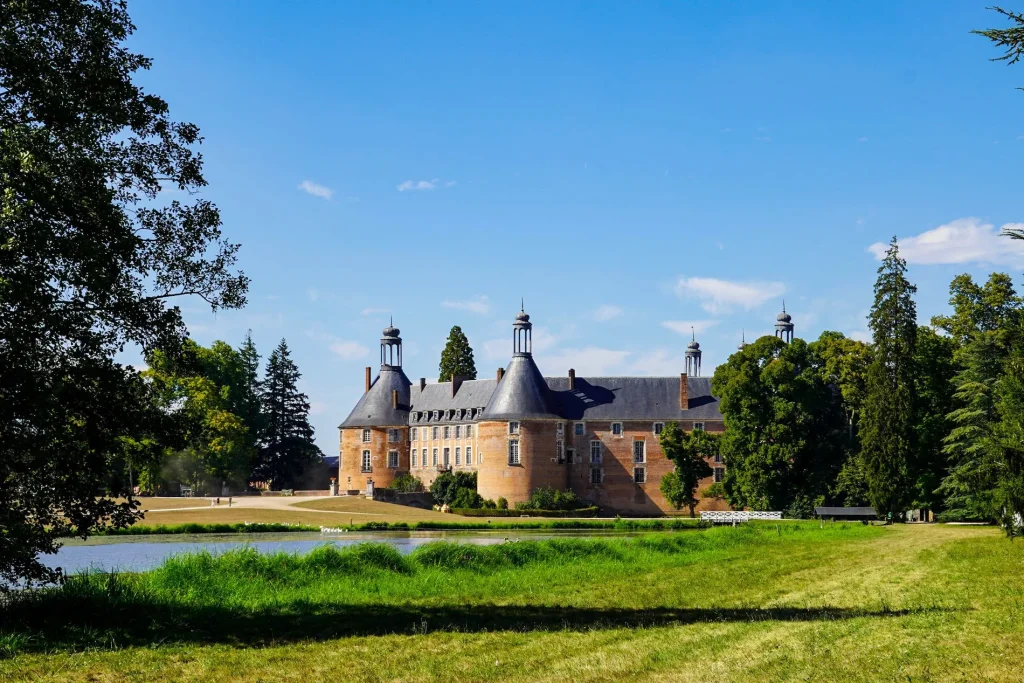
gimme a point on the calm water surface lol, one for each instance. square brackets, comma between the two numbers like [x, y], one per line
[138, 553]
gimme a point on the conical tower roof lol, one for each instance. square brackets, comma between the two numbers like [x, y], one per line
[376, 407]
[522, 393]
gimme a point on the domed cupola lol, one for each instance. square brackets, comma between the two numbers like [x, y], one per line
[743, 341]
[693, 354]
[522, 393]
[391, 346]
[784, 325]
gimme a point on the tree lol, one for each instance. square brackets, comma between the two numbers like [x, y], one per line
[249, 405]
[783, 443]
[1012, 41]
[457, 357]
[689, 452]
[933, 388]
[888, 425]
[446, 486]
[1009, 434]
[90, 259]
[287, 448]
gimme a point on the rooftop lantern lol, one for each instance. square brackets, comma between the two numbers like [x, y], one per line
[693, 354]
[784, 325]
[522, 333]
[391, 347]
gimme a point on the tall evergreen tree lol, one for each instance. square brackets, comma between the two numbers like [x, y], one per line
[250, 408]
[889, 420]
[457, 357]
[933, 387]
[287, 448]
[1010, 439]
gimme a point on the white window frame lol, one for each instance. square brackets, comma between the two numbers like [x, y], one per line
[643, 451]
[718, 458]
[447, 432]
[394, 436]
[513, 452]
[560, 428]
[469, 455]
[600, 451]
[458, 456]
[469, 431]
[446, 456]
[699, 427]
[620, 432]
[458, 431]
[367, 436]
[433, 458]
[719, 474]
[367, 462]
[393, 458]
[513, 427]
[413, 460]
[579, 428]
[434, 432]
[560, 452]
[658, 428]
[642, 471]
[414, 434]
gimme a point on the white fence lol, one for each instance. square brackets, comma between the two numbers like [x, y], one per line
[727, 516]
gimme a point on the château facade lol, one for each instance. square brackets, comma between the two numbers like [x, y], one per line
[520, 431]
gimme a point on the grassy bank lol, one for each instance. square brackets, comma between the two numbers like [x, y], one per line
[761, 602]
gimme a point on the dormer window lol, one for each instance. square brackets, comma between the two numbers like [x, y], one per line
[513, 427]
[437, 414]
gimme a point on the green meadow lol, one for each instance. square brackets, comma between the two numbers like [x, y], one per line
[759, 602]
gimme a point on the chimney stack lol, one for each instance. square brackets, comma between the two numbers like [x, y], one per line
[423, 383]
[456, 383]
[572, 379]
[501, 373]
[394, 399]
[367, 378]
[684, 393]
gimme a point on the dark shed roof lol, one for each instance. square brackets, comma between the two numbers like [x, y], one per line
[375, 408]
[845, 512]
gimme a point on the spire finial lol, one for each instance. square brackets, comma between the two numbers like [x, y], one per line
[743, 336]
[522, 305]
[693, 334]
[783, 305]
[391, 320]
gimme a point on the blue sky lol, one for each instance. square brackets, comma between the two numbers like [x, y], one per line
[629, 169]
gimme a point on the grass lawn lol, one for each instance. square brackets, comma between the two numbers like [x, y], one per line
[761, 602]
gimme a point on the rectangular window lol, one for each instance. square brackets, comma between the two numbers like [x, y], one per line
[447, 432]
[414, 461]
[639, 474]
[447, 457]
[433, 458]
[469, 455]
[513, 452]
[659, 427]
[639, 451]
[393, 459]
[393, 436]
[469, 431]
[595, 475]
[570, 455]
[513, 427]
[559, 453]
[579, 429]
[719, 474]
[458, 431]
[366, 436]
[413, 432]
[617, 428]
[433, 433]
[698, 426]
[458, 455]
[560, 428]
[595, 452]
[366, 462]
[718, 457]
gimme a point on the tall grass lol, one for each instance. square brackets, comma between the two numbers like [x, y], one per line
[243, 596]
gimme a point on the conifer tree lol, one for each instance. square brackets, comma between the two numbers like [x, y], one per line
[889, 419]
[457, 357]
[249, 391]
[287, 446]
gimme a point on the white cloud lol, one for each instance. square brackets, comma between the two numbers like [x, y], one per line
[862, 139]
[432, 184]
[315, 189]
[717, 296]
[965, 240]
[593, 361]
[478, 304]
[348, 350]
[607, 312]
[449, 183]
[683, 327]
[374, 311]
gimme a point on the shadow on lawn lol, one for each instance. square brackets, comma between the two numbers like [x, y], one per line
[104, 625]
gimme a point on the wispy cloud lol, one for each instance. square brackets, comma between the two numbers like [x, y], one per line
[607, 312]
[315, 189]
[432, 184]
[684, 327]
[862, 139]
[348, 350]
[478, 304]
[449, 183]
[965, 240]
[313, 293]
[374, 311]
[719, 296]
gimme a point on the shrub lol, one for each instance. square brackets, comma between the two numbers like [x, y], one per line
[490, 505]
[467, 498]
[484, 512]
[447, 485]
[552, 499]
[406, 483]
[501, 503]
[716, 490]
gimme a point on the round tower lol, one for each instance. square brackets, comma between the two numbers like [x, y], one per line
[693, 354]
[784, 325]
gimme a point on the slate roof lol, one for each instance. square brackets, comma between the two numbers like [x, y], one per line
[472, 394]
[633, 398]
[375, 408]
[521, 394]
